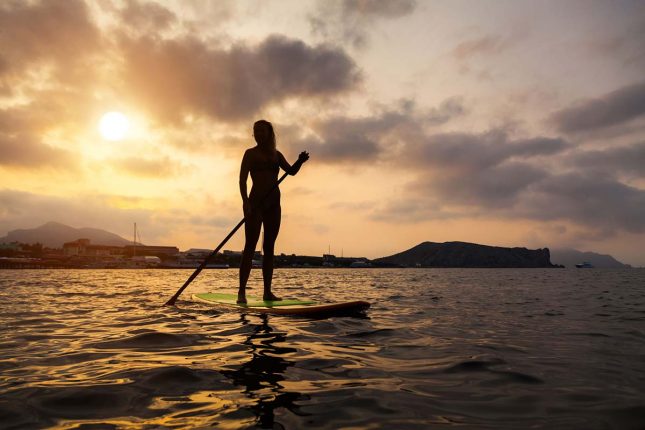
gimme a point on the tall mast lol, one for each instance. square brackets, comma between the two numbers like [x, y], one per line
[134, 248]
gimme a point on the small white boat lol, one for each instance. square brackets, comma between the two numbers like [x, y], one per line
[584, 265]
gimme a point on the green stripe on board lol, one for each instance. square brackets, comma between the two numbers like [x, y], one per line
[230, 299]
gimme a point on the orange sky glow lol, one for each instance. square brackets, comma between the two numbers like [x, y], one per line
[510, 123]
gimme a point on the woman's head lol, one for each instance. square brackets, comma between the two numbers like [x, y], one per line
[264, 135]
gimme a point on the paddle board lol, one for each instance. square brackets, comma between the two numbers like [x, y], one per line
[281, 307]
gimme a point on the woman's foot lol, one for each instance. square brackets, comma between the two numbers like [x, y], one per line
[241, 300]
[270, 297]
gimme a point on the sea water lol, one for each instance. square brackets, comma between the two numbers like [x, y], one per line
[440, 348]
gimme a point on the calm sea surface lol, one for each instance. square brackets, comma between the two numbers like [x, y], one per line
[484, 349]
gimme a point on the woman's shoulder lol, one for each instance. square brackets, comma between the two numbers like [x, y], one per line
[251, 153]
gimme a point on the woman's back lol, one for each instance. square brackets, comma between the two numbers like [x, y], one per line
[264, 168]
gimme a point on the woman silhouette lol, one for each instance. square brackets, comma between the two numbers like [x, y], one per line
[262, 205]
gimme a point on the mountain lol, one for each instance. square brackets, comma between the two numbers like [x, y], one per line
[54, 234]
[571, 257]
[464, 254]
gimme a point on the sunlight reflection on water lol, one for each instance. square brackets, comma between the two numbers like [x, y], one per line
[439, 347]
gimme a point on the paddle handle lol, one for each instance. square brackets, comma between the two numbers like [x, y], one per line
[174, 298]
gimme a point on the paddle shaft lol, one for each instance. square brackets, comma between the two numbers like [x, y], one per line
[174, 298]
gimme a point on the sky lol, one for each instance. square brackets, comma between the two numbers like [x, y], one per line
[507, 123]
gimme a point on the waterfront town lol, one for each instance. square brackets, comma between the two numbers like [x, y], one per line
[82, 253]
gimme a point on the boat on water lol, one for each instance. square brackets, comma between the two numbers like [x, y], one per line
[360, 264]
[584, 265]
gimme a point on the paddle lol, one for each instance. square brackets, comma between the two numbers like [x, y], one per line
[173, 299]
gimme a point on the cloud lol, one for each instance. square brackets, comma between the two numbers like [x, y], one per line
[626, 161]
[56, 33]
[614, 108]
[412, 209]
[597, 207]
[466, 152]
[624, 42]
[161, 168]
[27, 210]
[174, 77]
[474, 175]
[340, 139]
[348, 21]
[491, 175]
[379, 8]
[146, 17]
[484, 45]
[47, 58]
[601, 203]
[19, 209]
[492, 187]
[20, 119]
[213, 221]
[26, 150]
[448, 109]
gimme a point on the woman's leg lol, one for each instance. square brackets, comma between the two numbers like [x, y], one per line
[252, 233]
[271, 222]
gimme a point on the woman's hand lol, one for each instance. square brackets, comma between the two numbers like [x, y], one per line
[304, 156]
[246, 207]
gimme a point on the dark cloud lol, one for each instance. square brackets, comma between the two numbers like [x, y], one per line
[447, 110]
[146, 17]
[180, 76]
[47, 47]
[491, 175]
[614, 108]
[468, 175]
[616, 161]
[356, 140]
[22, 129]
[50, 110]
[26, 150]
[365, 139]
[473, 152]
[495, 176]
[348, 21]
[590, 200]
[597, 207]
[494, 186]
[57, 33]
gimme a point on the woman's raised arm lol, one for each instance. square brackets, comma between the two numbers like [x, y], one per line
[292, 170]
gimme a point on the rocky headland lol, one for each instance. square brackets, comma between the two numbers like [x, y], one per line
[464, 254]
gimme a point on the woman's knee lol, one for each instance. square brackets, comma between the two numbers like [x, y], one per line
[268, 248]
[249, 248]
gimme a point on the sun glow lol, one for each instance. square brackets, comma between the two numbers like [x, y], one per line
[114, 126]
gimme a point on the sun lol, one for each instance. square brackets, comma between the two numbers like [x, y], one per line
[114, 126]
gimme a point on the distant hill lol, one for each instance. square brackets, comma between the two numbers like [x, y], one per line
[54, 234]
[571, 257]
[464, 254]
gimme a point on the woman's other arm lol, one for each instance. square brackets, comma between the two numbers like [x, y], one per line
[244, 174]
[292, 169]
